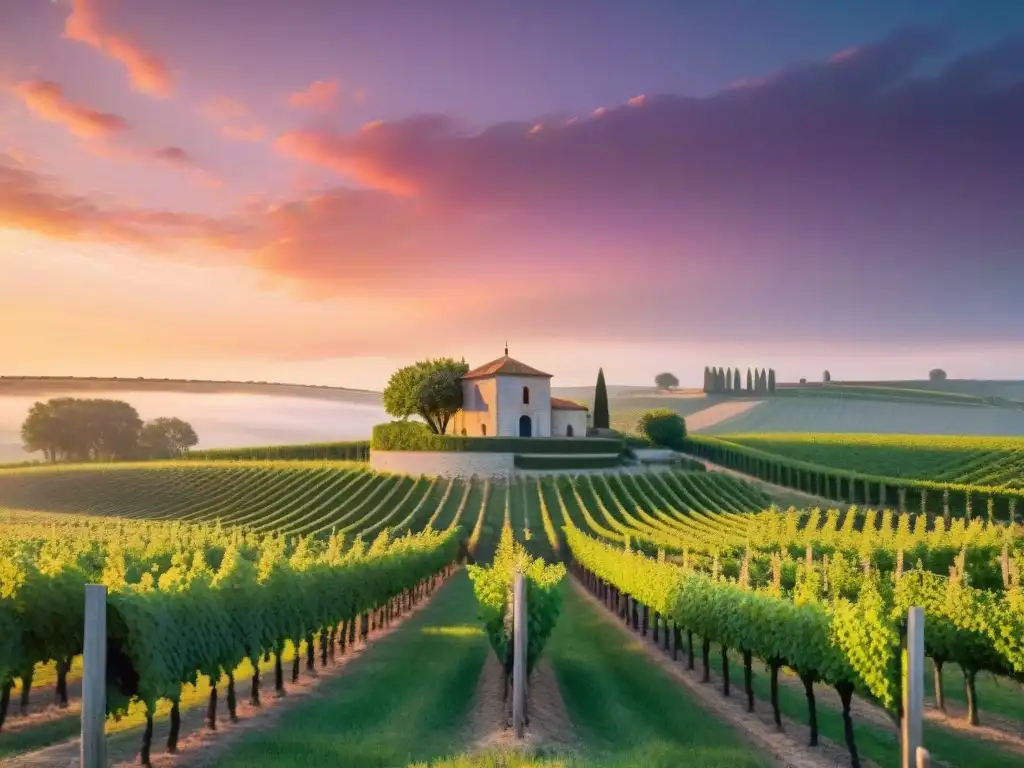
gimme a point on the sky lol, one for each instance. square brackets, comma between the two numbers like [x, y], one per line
[320, 191]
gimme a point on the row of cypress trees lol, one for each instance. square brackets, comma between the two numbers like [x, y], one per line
[760, 381]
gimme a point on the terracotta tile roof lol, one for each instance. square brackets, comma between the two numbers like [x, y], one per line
[560, 404]
[504, 366]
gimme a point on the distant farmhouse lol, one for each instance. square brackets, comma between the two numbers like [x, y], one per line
[507, 398]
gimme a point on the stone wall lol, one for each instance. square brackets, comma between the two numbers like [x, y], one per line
[561, 418]
[443, 463]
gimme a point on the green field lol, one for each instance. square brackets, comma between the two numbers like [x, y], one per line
[844, 415]
[1008, 390]
[410, 697]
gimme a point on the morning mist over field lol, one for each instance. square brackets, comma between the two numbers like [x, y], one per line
[221, 421]
[319, 201]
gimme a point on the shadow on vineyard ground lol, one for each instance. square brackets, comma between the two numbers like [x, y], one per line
[199, 746]
[758, 727]
[1003, 731]
[876, 735]
[408, 698]
[626, 711]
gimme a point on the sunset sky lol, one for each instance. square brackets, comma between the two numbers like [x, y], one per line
[319, 190]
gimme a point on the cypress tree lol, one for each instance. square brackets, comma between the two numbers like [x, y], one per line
[601, 420]
[736, 380]
[707, 379]
[764, 381]
[728, 379]
[771, 379]
[720, 381]
[750, 381]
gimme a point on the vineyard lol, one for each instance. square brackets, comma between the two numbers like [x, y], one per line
[259, 573]
[980, 461]
[300, 498]
[197, 600]
[995, 502]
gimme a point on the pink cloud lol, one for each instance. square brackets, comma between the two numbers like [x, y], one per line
[341, 155]
[320, 94]
[37, 203]
[817, 180]
[255, 132]
[46, 99]
[148, 74]
[233, 119]
[222, 109]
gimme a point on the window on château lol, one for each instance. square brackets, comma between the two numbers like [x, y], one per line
[526, 395]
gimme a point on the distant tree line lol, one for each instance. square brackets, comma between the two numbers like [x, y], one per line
[77, 429]
[759, 381]
[666, 381]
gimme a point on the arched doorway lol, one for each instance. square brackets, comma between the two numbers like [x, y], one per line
[568, 430]
[525, 426]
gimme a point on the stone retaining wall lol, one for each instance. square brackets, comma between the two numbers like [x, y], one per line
[444, 463]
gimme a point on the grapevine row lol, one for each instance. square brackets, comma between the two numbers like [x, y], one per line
[1003, 502]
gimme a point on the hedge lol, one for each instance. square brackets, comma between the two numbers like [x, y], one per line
[414, 436]
[565, 462]
[355, 450]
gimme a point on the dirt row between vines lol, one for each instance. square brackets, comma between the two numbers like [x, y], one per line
[548, 726]
[199, 746]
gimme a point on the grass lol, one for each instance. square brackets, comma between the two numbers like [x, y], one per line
[625, 710]
[880, 392]
[800, 414]
[406, 699]
[997, 695]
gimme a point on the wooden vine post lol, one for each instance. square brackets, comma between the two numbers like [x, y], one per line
[519, 655]
[93, 751]
[913, 689]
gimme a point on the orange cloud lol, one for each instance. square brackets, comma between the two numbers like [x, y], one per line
[33, 202]
[320, 94]
[148, 74]
[46, 99]
[342, 156]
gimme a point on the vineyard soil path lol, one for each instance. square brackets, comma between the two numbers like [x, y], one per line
[198, 746]
[549, 724]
